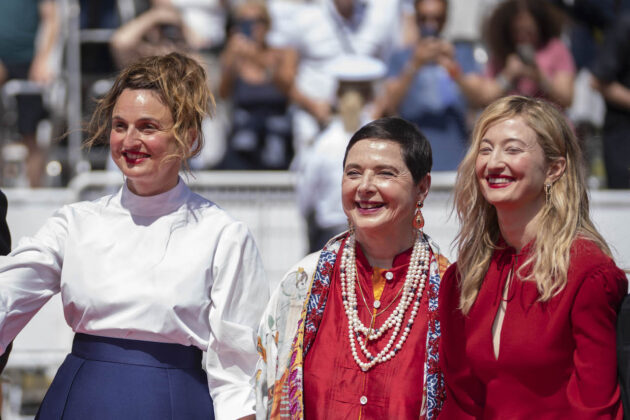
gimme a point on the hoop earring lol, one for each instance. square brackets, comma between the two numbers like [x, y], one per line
[418, 220]
[548, 193]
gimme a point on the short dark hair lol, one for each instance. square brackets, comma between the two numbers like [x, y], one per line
[416, 150]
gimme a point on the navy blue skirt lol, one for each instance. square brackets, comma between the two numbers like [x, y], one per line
[112, 378]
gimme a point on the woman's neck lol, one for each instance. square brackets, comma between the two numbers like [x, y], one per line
[518, 227]
[380, 251]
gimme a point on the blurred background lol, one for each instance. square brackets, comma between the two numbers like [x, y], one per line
[293, 79]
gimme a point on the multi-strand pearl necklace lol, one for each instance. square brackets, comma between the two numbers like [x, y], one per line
[411, 292]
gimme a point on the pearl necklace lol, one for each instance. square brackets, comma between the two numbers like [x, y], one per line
[411, 292]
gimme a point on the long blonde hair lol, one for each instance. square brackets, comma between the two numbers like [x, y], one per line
[565, 216]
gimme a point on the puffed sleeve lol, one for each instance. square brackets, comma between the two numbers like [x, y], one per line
[30, 275]
[464, 392]
[593, 389]
[239, 295]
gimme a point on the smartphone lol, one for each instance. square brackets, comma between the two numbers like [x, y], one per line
[428, 31]
[527, 53]
[246, 27]
[171, 32]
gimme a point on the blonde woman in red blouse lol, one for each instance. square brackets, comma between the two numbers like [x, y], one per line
[528, 312]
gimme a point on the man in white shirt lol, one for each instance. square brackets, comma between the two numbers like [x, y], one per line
[321, 170]
[319, 33]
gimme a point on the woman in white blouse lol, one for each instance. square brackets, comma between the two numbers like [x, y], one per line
[151, 276]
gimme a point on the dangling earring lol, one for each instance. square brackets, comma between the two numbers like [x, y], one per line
[548, 193]
[418, 220]
[350, 228]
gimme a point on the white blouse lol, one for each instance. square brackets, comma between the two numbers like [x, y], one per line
[171, 268]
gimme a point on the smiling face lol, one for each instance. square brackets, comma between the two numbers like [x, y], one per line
[378, 191]
[511, 167]
[141, 139]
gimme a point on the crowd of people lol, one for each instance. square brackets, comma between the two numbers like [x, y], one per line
[271, 68]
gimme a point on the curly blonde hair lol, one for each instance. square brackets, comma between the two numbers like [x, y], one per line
[180, 83]
[563, 217]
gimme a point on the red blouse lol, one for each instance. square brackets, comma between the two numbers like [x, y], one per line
[334, 385]
[557, 360]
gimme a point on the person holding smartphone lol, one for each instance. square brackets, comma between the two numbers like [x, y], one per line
[527, 57]
[420, 89]
[257, 78]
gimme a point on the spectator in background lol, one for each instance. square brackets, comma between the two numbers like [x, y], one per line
[159, 30]
[204, 21]
[5, 248]
[612, 78]
[21, 57]
[319, 33]
[421, 90]
[257, 79]
[527, 56]
[318, 188]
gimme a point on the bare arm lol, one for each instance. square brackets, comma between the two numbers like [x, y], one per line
[558, 88]
[40, 70]
[614, 92]
[128, 38]
[285, 69]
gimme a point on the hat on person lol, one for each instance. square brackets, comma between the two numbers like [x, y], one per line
[356, 68]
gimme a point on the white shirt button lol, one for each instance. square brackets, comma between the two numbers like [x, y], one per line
[377, 304]
[363, 400]
[389, 275]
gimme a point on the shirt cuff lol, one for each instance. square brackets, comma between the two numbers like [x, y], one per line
[234, 403]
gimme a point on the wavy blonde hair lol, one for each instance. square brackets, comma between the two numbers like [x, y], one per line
[180, 83]
[565, 216]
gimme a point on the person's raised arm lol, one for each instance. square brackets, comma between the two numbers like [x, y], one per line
[40, 70]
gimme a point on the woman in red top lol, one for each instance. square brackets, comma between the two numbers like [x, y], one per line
[351, 332]
[528, 311]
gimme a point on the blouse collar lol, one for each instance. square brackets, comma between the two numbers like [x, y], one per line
[154, 205]
[399, 264]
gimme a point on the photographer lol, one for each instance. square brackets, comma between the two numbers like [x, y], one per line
[421, 89]
[527, 57]
[256, 78]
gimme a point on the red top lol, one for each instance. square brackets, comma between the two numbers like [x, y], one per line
[334, 383]
[557, 360]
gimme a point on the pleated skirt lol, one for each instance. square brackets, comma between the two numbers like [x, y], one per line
[111, 378]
